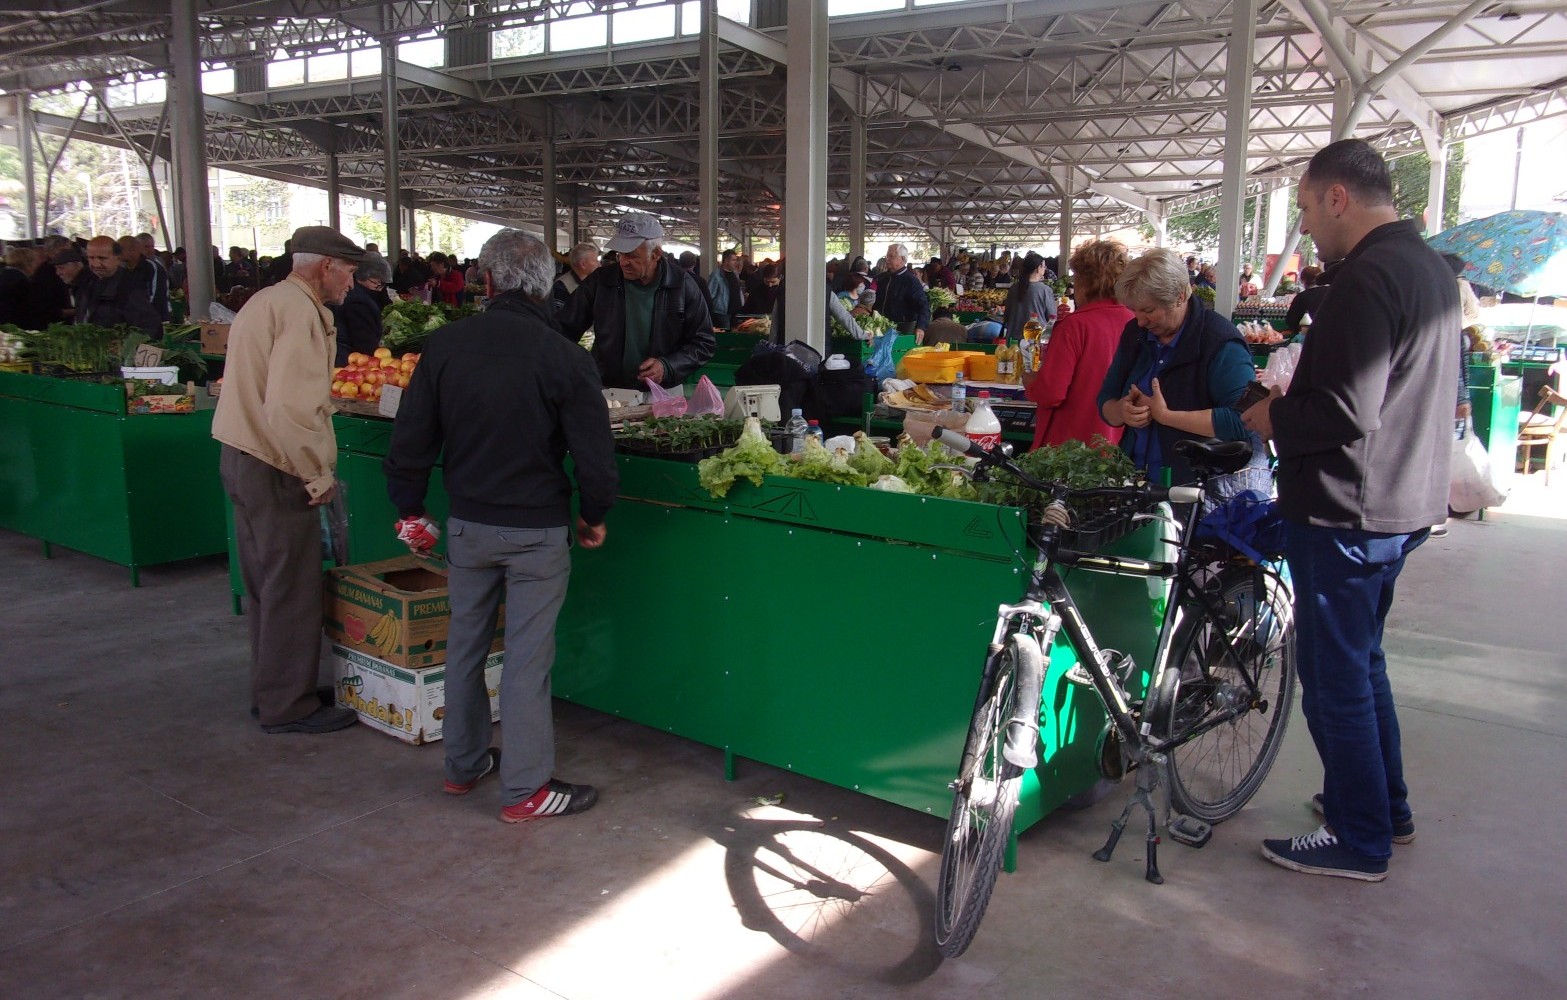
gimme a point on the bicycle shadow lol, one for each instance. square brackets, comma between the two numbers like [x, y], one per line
[829, 893]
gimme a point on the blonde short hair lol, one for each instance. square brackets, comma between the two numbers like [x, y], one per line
[1158, 277]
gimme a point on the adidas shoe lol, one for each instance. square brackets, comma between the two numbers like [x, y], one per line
[1403, 833]
[492, 760]
[1320, 853]
[554, 798]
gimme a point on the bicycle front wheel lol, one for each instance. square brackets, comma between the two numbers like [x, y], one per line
[1239, 728]
[984, 800]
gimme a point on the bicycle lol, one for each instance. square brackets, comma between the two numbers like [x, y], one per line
[1223, 670]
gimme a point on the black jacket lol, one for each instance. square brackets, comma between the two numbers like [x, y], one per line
[15, 291]
[682, 334]
[116, 300]
[49, 300]
[902, 299]
[358, 322]
[508, 398]
[1308, 302]
[1365, 433]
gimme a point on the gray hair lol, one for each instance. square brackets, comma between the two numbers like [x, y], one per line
[584, 251]
[898, 250]
[374, 267]
[304, 260]
[1157, 277]
[516, 261]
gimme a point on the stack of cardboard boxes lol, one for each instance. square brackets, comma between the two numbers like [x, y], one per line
[388, 622]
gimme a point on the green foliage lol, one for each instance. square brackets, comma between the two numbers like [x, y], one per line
[79, 347]
[1076, 464]
[406, 325]
[752, 457]
[682, 433]
[1208, 295]
[1412, 185]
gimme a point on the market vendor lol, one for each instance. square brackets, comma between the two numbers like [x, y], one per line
[1177, 373]
[114, 297]
[649, 318]
[358, 317]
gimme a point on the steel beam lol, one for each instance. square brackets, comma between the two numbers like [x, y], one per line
[709, 98]
[1238, 70]
[392, 181]
[805, 187]
[190, 159]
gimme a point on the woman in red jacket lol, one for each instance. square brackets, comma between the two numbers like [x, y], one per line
[446, 284]
[1081, 346]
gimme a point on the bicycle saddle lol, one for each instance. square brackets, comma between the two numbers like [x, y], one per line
[1214, 456]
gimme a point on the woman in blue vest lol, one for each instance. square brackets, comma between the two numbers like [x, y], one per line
[1177, 373]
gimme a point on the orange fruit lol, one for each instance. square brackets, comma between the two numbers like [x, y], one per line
[350, 390]
[383, 352]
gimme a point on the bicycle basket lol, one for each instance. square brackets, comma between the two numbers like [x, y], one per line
[1248, 524]
[1098, 521]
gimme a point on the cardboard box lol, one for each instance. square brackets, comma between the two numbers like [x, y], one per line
[183, 403]
[396, 610]
[407, 704]
[214, 337]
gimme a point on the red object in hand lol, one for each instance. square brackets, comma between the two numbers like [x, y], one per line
[419, 533]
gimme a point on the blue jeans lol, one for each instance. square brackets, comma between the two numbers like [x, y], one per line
[1343, 589]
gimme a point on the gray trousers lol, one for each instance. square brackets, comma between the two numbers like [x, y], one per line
[530, 568]
[278, 535]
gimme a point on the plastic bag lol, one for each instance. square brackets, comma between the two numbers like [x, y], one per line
[1249, 522]
[219, 313]
[1470, 487]
[880, 365]
[705, 399]
[1281, 367]
[665, 403]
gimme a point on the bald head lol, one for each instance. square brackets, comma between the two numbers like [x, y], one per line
[103, 256]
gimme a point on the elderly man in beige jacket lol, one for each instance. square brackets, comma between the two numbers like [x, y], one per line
[274, 419]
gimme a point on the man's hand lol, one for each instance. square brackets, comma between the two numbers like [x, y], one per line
[325, 497]
[590, 536]
[419, 533]
[1464, 409]
[1260, 417]
[654, 369]
[1134, 409]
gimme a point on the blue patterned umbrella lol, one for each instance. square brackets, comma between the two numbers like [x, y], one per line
[1522, 252]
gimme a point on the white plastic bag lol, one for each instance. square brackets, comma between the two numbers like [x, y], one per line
[1470, 487]
[1281, 367]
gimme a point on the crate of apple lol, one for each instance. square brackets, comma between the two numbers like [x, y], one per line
[366, 375]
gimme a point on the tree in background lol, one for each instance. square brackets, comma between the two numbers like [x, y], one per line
[260, 205]
[1412, 185]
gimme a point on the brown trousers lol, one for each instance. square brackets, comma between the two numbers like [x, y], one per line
[278, 535]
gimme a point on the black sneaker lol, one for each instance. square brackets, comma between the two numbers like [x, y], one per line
[1403, 833]
[492, 760]
[326, 719]
[1320, 853]
[555, 798]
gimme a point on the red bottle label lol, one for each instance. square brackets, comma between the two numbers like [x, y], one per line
[986, 441]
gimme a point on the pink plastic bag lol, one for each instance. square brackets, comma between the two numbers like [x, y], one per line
[665, 403]
[705, 399]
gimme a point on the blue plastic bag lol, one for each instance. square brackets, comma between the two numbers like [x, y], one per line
[1249, 522]
[880, 364]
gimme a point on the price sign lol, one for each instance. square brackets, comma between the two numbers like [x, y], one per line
[148, 356]
[391, 396]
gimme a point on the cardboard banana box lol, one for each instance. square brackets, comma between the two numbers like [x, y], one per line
[396, 610]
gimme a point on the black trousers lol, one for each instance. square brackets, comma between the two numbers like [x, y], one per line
[278, 535]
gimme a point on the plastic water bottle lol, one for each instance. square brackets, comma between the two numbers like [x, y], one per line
[797, 428]
[983, 427]
[959, 393]
[814, 429]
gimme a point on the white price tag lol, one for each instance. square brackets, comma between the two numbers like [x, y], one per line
[148, 356]
[391, 396]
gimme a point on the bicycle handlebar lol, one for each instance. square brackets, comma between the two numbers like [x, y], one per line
[961, 444]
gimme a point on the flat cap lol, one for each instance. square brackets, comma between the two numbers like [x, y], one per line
[327, 242]
[67, 255]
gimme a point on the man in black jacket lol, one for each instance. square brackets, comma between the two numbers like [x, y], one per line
[115, 297]
[649, 317]
[1364, 438]
[901, 298]
[508, 398]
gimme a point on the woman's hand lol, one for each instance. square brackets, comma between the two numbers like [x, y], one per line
[1158, 410]
[1135, 411]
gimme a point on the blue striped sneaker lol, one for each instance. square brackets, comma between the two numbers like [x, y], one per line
[554, 798]
[1320, 853]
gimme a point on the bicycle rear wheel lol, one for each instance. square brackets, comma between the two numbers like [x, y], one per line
[1216, 772]
[982, 805]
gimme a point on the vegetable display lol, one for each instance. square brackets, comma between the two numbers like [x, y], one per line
[79, 347]
[406, 325]
[676, 435]
[752, 457]
[940, 298]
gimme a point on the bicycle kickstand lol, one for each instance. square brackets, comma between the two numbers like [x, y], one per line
[1147, 781]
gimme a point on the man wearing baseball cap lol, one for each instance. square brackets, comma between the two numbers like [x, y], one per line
[278, 464]
[649, 316]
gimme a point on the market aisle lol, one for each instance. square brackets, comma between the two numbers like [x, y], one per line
[155, 843]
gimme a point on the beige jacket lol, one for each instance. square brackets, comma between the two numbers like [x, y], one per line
[276, 402]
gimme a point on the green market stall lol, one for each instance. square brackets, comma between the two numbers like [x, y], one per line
[77, 469]
[833, 631]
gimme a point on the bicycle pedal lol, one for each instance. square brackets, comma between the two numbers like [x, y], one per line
[1080, 676]
[1189, 831]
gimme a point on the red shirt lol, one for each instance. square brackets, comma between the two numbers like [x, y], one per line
[1072, 371]
[449, 287]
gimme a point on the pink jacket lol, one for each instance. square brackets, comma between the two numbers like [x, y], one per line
[1071, 372]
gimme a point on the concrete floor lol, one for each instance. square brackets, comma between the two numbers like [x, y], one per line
[153, 843]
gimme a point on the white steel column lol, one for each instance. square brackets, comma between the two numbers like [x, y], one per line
[1237, 119]
[1064, 255]
[190, 158]
[25, 145]
[413, 227]
[1161, 228]
[1278, 218]
[390, 173]
[805, 177]
[708, 99]
[856, 185]
[334, 193]
[1437, 189]
[549, 220]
